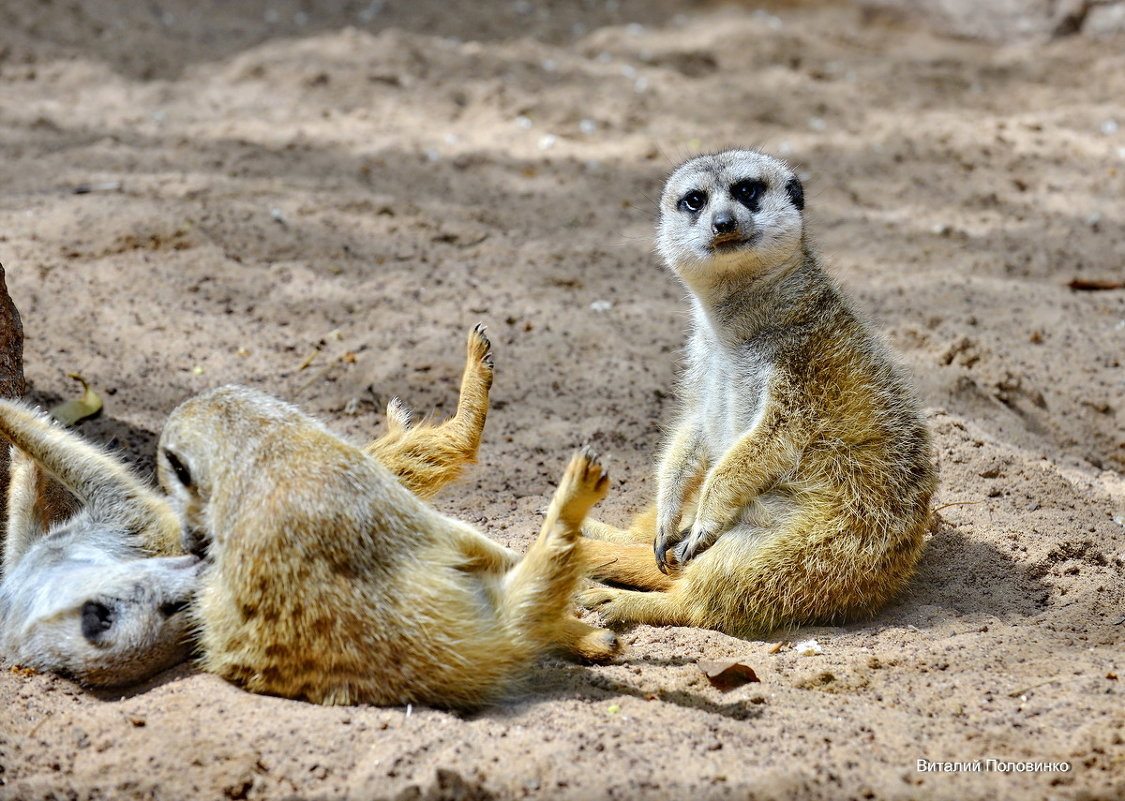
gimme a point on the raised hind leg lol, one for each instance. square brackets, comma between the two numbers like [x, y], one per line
[538, 591]
[426, 457]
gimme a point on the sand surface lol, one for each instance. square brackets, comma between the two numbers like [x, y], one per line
[367, 182]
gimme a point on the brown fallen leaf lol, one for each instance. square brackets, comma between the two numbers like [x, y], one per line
[726, 676]
[70, 412]
[1094, 285]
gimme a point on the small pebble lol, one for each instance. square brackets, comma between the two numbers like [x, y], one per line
[808, 648]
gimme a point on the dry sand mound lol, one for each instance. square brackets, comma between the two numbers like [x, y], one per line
[275, 179]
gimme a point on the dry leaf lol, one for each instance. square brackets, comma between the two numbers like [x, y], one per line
[726, 676]
[777, 646]
[70, 412]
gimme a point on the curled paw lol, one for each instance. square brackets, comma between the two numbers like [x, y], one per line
[599, 645]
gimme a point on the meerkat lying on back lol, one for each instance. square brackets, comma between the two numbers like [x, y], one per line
[327, 580]
[795, 485]
[83, 596]
[89, 596]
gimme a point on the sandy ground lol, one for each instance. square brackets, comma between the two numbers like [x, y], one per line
[371, 180]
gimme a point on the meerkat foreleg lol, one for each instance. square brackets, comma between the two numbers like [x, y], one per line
[426, 457]
[682, 467]
[25, 520]
[107, 488]
[744, 471]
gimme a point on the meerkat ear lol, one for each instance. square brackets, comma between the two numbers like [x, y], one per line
[796, 193]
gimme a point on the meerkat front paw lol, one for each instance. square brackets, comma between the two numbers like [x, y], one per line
[699, 540]
[667, 539]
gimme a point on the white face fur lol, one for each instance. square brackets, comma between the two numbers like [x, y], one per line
[84, 602]
[730, 212]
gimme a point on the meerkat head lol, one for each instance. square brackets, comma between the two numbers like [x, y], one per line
[738, 212]
[207, 440]
[104, 621]
[183, 476]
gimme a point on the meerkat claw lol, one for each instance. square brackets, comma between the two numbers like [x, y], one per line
[660, 548]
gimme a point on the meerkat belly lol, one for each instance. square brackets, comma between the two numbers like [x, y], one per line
[732, 402]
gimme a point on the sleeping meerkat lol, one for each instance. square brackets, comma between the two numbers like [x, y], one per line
[84, 597]
[795, 484]
[327, 580]
[100, 596]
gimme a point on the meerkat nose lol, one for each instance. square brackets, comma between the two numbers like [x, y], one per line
[723, 223]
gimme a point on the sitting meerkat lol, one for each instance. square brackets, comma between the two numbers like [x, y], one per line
[327, 580]
[84, 596]
[795, 484]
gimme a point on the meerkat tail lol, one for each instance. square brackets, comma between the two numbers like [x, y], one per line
[110, 491]
[538, 591]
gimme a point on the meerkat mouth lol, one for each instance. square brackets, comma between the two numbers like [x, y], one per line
[723, 244]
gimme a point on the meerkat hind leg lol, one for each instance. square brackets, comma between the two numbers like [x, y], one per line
[586, 642]
[426, 457]
[641, 529]
[631, 564]
[660, 608]
[538, 591]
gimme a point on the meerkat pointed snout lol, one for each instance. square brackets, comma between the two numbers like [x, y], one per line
[795, 484]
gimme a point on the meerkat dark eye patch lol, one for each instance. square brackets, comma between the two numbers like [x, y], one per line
[693, 201]
[178, 467]
[97, 619]
[170, 608]
[749, 193]
[796, 193]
